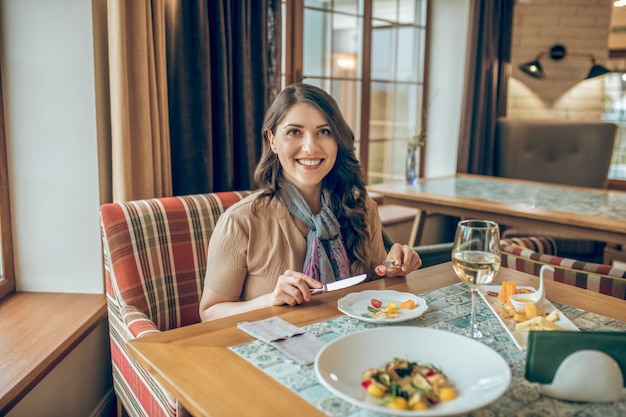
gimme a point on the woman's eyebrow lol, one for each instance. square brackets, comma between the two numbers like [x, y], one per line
[288, 125]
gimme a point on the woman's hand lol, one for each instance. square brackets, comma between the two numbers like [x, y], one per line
[405, 260]
[293, 288]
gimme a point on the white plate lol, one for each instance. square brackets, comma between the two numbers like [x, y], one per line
[520, 338]
[479, 374]
[355, 305]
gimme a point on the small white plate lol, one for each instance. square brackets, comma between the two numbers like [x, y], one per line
[520, 337]
[479, 374]
[355, 305]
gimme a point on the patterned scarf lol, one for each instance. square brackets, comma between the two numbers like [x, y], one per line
[326, 259]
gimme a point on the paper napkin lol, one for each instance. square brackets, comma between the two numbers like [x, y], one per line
[294, 341]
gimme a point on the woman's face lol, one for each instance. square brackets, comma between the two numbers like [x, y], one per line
[305, 145]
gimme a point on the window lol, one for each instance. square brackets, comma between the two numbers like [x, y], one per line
[615, 111]
[7, 276]
[370, 55]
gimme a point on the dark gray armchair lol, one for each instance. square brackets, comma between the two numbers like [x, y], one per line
[564, 152]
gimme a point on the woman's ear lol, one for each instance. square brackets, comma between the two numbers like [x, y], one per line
[270, 139]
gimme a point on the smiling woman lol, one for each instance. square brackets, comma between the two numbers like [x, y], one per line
[311, 223]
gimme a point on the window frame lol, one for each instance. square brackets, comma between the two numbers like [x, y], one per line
[293, 62]
[7, 271]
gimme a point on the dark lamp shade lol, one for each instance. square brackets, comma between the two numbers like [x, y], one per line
[596, 71]
[533, 69]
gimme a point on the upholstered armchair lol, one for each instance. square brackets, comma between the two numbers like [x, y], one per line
[574, 153]
[530, 254]
[155, 260]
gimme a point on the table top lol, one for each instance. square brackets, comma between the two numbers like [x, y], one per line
[510, 201]
[200, 364]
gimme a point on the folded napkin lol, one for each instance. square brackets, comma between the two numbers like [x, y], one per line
[295, 342]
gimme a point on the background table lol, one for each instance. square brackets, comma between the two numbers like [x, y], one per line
[579, 212]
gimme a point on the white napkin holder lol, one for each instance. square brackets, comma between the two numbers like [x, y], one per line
[586, 375]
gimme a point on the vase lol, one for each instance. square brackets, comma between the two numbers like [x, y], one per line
[412, 164]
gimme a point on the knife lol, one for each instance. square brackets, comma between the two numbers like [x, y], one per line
[342, 283]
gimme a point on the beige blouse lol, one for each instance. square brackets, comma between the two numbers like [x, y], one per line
[255, 247]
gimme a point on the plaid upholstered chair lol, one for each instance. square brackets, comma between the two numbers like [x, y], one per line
[155, 260]
[530, 254]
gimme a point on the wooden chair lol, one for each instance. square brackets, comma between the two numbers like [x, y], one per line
[155, 261]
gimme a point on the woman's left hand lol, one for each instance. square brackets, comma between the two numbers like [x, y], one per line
[405, 260]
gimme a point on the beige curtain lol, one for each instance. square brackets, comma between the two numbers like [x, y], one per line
[141, 165]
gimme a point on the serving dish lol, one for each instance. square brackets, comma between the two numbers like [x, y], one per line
[479, 374]
[356, 305]
[520, 337]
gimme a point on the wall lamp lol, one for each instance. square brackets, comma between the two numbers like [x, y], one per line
[558, 52]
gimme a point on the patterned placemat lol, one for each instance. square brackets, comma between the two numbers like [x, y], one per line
[448, 309]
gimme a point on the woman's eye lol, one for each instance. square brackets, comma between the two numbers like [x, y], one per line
[326, 132]
[293, 132]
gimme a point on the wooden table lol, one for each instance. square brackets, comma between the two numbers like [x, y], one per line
[195, 364]
[585, 213]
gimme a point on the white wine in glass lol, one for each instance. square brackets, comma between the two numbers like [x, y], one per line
[476, 260]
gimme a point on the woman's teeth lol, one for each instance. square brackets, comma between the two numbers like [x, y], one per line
[309, 162]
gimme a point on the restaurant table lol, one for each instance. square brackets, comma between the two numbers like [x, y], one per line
[586, 213]
[217, 370]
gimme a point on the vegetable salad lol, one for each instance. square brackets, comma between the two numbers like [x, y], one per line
[405, 385]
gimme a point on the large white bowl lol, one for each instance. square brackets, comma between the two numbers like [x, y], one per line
[478, 372]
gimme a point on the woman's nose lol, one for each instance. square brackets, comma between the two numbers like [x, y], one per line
[308, 142]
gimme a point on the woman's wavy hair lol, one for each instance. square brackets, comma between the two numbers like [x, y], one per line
[345, 181]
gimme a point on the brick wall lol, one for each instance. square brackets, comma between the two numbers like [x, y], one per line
[583, 27]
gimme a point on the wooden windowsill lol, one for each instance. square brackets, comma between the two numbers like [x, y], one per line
[37, 330]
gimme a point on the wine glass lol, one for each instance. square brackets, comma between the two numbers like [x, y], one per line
[476, 259]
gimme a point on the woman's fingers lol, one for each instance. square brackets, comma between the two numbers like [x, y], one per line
[294, 288]
[403, 260]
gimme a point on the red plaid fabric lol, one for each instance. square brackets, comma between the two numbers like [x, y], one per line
[155, 260]
[604, 279]
[541, 244]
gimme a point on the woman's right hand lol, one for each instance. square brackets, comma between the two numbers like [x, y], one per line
[293, 288]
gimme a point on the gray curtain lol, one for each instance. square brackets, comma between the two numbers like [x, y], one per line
[487, 75]
[223, 63]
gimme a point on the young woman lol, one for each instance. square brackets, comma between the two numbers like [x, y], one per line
[311, 222]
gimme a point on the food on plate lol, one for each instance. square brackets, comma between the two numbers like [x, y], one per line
[532, 318]
[405, 385]
[540, 323]
[379, 310]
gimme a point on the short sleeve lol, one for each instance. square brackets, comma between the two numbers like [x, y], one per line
[377, 245]
[227, 257]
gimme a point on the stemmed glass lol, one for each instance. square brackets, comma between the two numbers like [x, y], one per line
[476, 259]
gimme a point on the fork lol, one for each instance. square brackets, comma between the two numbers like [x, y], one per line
[382, 268]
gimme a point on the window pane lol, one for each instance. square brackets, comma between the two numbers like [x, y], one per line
[386, 10]
[395, 120]
[347, 42]
[319, 4]
[615, 112]
[353, 7]
[407, 54]
[348, 96]
[384, 47]
[332, 44]
[317, 35]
